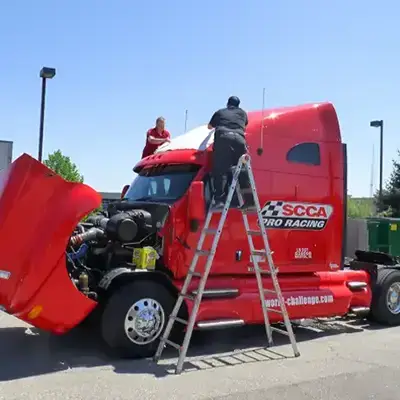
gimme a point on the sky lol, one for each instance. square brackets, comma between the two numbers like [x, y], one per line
[121, 64]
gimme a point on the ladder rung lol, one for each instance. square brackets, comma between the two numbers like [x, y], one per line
[180, 320]
[249, 211]
[270, 291]
[254, 233]
[203, 252]
[210, 231]
[246, 190]
[217, 210]
[188, 296]
[259, 253]
[265, 271]
[273, 329]
[194, 273]
[173, 344]
[274, 310]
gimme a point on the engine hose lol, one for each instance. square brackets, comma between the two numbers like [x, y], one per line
[80, 253]
[91, 234]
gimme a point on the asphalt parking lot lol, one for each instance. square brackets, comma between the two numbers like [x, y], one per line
[340, 360]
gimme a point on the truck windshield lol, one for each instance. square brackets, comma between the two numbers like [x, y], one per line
[165, 183]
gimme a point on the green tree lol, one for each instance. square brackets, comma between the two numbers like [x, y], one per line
[63, 166]
[360, 207]
[389, 205]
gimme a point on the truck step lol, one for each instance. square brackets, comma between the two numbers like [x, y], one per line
[359, 310]
[219, 324]
[356, 286]
[218, 293]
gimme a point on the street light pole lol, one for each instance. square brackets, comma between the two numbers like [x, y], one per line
[379, 124]
[45, 73]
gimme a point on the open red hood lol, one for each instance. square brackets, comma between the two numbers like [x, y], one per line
[38, 212]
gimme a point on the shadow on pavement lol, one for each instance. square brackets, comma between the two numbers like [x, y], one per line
[28, 352]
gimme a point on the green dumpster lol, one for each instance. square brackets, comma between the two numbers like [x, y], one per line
[384, 235]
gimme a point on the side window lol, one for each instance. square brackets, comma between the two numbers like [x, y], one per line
[304, 153]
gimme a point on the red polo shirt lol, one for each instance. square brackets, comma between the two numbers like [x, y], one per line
[150, 148]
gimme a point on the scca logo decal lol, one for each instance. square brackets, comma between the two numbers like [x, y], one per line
[294, 215]
[288, 210]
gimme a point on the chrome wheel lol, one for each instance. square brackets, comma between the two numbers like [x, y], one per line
[144, 321]
[393, 298]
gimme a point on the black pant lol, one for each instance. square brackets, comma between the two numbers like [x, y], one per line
[228, 148]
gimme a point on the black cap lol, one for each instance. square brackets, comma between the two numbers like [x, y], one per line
[233, 101]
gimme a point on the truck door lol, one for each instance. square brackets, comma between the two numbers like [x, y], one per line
[232, 255]
[297, 206]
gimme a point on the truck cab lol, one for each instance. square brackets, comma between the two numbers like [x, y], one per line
[299, 167]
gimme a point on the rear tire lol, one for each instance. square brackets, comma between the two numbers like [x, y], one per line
[135, 317]
[385, 306]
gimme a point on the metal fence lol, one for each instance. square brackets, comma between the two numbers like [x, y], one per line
[357, 236]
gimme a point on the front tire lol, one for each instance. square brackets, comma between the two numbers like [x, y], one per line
[135, 317]
[385, 306]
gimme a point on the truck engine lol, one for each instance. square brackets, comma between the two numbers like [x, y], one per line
[107, 241]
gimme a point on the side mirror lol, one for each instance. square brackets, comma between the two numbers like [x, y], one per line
[196, 208]
[124, 190]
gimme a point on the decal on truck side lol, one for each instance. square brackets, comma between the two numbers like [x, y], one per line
[301, 300]
[295, 215]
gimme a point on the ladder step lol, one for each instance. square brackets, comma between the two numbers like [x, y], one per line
[274, 310]
[270, 291]
[194, 273]
[266, 272]
[211, 231]
[180, 320]
[273, 329]
[249, 210]
[259, 253]
[188, 296]
[203, 252]
[173, 344]
[254, 233]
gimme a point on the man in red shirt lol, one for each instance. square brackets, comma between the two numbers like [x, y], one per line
[155, 137]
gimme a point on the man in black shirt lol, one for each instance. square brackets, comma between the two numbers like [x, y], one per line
[229, 145]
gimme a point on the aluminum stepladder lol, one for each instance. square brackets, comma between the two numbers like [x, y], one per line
[244, 163]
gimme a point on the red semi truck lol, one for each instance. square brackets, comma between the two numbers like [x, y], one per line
[126, 265]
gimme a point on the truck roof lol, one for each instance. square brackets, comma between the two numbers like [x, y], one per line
[201, 137]
[314, 121]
